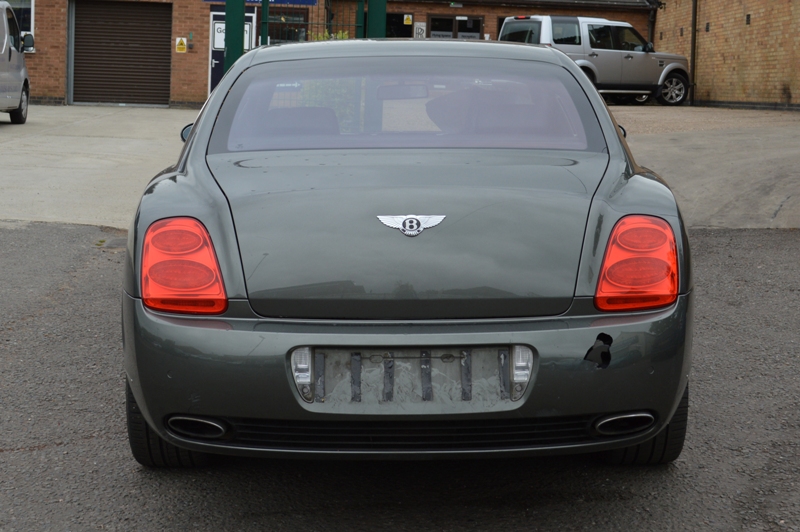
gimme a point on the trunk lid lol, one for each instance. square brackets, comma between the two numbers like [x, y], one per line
[312, 245]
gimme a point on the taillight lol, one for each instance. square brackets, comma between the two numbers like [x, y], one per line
[521, 17]
[640, 269]
[180, 272]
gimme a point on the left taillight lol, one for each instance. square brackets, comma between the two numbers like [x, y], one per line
[180, 272]
[640, 268]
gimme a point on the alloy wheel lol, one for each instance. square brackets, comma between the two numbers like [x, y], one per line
[673, 90]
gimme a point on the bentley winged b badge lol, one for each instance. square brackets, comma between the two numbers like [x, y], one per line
[411, 224]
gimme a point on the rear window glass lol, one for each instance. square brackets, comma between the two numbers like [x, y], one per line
[406, 102]
[525, 31]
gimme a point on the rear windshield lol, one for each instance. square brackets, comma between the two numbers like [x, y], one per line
[527, 31]
[406, 102]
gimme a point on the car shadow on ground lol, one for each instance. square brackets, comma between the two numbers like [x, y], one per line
[567, 492]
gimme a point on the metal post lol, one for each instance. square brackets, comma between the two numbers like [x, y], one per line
[234, 31]
[693, 60]
[360, 20]
[376, 19]
[264, 22]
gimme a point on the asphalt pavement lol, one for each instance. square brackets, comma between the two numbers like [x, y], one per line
[64, 457]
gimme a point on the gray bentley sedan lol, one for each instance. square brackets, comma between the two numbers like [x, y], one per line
[406, 249]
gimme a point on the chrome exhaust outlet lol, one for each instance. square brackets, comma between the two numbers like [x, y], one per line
[620, 424]
[196, 427]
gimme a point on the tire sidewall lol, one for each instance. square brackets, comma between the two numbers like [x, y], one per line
[20, 114]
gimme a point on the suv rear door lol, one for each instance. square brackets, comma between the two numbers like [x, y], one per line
[601, 53]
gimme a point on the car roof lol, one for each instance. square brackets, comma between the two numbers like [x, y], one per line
[404, 47]
[582, 19]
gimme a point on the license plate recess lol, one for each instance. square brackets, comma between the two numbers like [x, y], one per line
[413, 379]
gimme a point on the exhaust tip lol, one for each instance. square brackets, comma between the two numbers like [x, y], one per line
[196, 427]
[620, 424]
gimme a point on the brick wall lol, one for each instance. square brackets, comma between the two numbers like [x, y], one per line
[190, 18]
[189, 81]
[739, 63]
[47, 67]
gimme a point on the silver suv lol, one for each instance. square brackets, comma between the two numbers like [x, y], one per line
[618, 60]
[14, 82]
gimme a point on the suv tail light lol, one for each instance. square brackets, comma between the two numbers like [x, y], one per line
[180, 272]
[640, 269]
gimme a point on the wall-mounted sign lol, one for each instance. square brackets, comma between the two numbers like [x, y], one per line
[408, 19]
[180, 45]
[219, 36]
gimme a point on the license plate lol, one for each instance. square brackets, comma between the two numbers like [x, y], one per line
[445, 376]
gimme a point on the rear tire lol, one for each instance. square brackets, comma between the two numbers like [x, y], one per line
[664, 448]
[20, 114]
[148, 448]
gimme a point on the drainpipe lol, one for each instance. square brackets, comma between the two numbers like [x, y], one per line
[693, 64]
[651, 25]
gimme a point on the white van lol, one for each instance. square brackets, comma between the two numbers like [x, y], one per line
[618, 60]
[15, 86]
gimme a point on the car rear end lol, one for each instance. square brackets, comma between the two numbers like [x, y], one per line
[407, 250]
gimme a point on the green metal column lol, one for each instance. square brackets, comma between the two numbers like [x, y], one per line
[264, 22]
[234, 31]
[376, 19]
[360, 20]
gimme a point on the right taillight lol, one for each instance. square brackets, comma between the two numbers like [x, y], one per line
[640, 268]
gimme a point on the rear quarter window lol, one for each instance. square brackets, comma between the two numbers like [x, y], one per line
[566, 33]
[402, 102]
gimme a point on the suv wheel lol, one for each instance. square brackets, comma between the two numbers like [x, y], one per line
[674, 90]
[20, 114]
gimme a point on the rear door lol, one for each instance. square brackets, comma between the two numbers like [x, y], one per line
[601, 53]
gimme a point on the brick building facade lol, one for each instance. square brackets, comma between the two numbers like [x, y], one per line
[56, 62]
[747, 52]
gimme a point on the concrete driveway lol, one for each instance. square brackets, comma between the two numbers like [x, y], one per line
[728, 168]
[89, 165]
[82, 164]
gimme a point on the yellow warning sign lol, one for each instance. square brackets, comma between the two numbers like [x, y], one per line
[408, 20]
[180, 45]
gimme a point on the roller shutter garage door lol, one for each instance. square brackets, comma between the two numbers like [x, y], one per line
[122, 52]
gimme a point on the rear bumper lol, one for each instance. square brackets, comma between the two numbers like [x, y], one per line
[237, 371]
